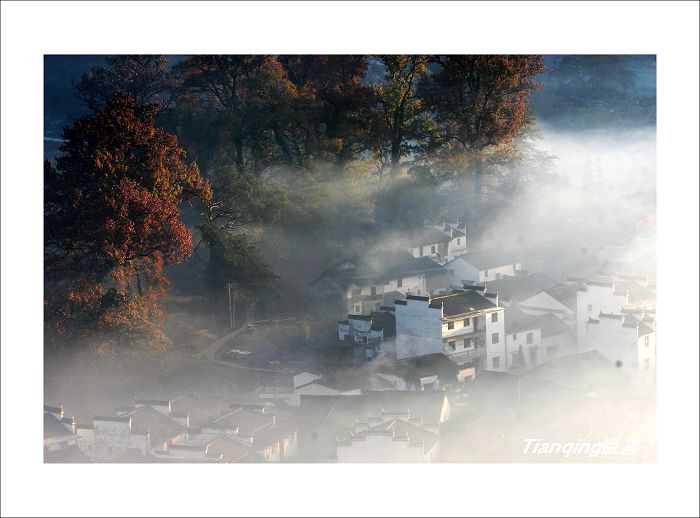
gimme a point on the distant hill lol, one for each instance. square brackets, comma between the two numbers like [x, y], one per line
[587, 92]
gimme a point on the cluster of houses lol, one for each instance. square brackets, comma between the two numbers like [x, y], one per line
[427, 325]
[482, 310]
[401, 426]
[191, 428]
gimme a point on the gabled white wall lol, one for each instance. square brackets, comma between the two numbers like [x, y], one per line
[418, 329]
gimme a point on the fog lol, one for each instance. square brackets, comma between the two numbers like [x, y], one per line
[577, 197]
[598, 186]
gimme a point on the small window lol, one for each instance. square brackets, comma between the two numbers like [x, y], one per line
[417, 292]
[529, 338]
[433, 249]
[646, 341]
[496, 362]
[494, 317]
[515, 336]
[399, 283]
[451, 345]
[590, 308]
[358, 308]
[373, 291]
[450, 325]
[486, 273]
[458, 240]
[466, 322]
[420, 251]
[498, 276]
[494, 338]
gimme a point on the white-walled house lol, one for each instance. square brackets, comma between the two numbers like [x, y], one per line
[626, 339]
[610, 297]
[523, 344]
[358, 329]
[115, 439]
[357, 285]
[483, 265]
[557, 338]
[429, 242]
[458, 242]
[394, 440]
[441, 243]
[464, 325]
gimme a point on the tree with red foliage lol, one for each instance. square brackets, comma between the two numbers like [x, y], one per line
[481, 107]
[112, 225]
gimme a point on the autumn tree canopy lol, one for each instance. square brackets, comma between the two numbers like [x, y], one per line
[112, 223]
[481, 101]
[401, 119]
[276, 137]
[147, 78]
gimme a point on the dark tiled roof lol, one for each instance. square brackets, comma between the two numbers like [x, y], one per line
[521, 287]
[644, 329]
[124, 419]
[151, 402]
[359, 317]
[201, 408]
[462, 302]
[389, 297]
[70, 455]
[413, 369]
[565, 294]
[346, 410]
[147, 419]
[381, 266]
[489, 258]
[246, 421]
[428, 236]
[53, 427]
[516, 321]
[232, 451]
[551, 325]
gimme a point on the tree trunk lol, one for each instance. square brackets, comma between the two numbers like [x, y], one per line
[395, 156]
[478, 180]
[240, 160]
